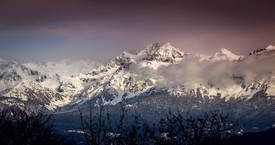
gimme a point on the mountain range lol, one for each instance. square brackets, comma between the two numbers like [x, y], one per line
[159, 68]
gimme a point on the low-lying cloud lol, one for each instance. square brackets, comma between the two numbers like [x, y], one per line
[222, 74]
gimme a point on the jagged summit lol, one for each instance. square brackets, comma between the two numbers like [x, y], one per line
[270, 47]
[225, 54]
[154, 53]
[161, 52]
[258, 52]
[157, 47]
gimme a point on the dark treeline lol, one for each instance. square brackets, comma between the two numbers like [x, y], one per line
[102, 128]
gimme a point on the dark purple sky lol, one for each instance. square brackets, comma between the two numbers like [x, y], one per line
[35, 30]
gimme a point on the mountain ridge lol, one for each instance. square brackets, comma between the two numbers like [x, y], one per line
[158, 67]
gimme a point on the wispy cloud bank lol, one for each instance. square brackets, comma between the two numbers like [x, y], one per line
[222, 74]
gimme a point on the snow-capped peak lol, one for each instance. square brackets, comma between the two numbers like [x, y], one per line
[258, 52]
[157, 47]
[270, 47]
[162, 52]
[225, 54]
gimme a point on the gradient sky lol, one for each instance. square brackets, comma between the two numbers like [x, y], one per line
[37, 30]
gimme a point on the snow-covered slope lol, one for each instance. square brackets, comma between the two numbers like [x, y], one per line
[225, 54]
[47, 84]
[68, 84]
[12, 73]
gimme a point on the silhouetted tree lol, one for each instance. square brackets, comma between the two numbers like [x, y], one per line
[204, 129]
[20, 127]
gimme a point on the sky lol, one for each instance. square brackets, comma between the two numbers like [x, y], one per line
[42, 30]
